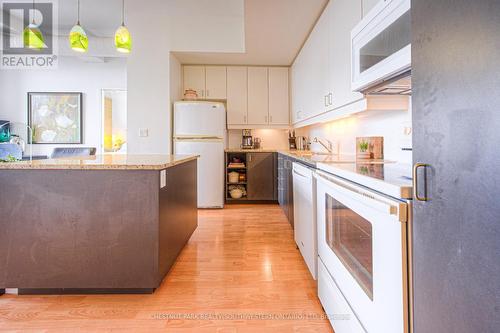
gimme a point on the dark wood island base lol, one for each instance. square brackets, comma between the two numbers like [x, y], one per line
[94, 230]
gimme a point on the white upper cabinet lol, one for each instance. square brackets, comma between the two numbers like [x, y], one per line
[279, 104]
[322, 62]
[258, 95]
[237, 95]
[194, 78]
[208, 81]
[344, 15]
[321, 73]
[215, 82]
[300, 89]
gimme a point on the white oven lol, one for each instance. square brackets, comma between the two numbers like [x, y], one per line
[381, 44]
[362, 246]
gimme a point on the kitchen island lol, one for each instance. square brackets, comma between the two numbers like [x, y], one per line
[102, 224]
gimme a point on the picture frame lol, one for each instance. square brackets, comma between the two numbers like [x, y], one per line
[56, 117]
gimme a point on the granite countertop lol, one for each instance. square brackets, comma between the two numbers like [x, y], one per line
[388, 177]
[241, 150]
[103, 162]
[313, 158]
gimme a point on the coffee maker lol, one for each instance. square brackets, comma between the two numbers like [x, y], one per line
[247, 139]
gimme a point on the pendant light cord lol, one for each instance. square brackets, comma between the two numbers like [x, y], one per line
[78, 11]
[123, 12]
[33, 18]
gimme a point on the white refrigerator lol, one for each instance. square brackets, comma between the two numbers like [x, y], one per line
[200, 128]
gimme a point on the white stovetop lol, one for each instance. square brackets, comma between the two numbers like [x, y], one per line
[393, 179]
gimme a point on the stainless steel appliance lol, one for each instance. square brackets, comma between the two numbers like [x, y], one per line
[292, 142]
[363, 255]
[247, 139]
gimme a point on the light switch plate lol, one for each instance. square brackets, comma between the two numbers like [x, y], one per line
[143, 132]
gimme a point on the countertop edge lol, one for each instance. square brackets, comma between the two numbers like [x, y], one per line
[146, 167]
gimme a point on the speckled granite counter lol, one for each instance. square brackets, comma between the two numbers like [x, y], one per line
[241, 150]
[103, 162]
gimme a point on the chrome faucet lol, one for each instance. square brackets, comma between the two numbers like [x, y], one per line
[328, 146]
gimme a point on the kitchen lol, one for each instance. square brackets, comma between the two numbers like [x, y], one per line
[335, 154]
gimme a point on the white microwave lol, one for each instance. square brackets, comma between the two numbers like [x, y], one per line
[381, 44]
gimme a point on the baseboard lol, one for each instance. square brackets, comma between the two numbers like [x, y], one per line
[77, 291]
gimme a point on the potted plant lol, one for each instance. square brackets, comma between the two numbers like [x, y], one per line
[363, 147]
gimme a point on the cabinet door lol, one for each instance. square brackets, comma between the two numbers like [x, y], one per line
[289, 193]
[258, 96]
[344, 15]
[310, 73]
[261, 176]
[279, 105]
[321, 62]
[237, 95]
[297, 81]
[215, 82]
[194, 78]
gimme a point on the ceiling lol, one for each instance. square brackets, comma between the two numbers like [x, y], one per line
[99, 18]
[274, 31]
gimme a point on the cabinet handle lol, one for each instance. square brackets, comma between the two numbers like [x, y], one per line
[271, 119]
[326, 100]
[415, 182]
[202, 93]
[245, 119]
[330, 98]
[208, 92]
[266, 119]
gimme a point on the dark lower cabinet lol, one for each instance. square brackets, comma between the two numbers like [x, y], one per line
[261, 177]
[2, 291]
[285, 186]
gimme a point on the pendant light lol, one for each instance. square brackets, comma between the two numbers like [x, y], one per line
[123, 40]
[78, 40]
[32, 35]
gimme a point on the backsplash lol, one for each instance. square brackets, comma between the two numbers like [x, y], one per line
[271, 138]
[394, 126]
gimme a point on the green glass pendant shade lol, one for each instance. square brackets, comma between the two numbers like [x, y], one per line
[123, 40]
[78, 39]
[33, 37]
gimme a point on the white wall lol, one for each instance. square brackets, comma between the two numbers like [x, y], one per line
[388, 124]
[72, 75]
[271, 138]
[175, 86]
[158, 28]
[207, 25]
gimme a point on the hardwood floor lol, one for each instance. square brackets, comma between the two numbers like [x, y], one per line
[240, 272]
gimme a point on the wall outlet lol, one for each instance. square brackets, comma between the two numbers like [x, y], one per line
[143, 132]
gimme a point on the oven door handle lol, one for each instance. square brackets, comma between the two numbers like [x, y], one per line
[374, 200]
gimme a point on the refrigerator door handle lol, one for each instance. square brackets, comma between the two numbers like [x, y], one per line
[415, 182]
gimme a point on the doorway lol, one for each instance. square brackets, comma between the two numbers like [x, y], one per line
[114, 121]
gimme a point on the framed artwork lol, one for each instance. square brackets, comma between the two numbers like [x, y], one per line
[55, 117]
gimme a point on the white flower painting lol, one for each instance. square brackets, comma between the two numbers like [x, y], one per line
[55, 117]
